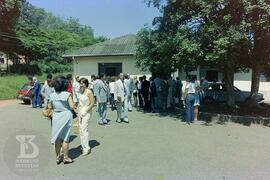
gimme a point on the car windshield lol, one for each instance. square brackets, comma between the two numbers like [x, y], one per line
[25, 87]
[236, 89]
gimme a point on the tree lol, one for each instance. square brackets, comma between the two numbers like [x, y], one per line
[9, 14]
[45, 37]
[227, 34]
[257, 13]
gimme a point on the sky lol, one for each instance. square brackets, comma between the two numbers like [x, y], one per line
[109, 18]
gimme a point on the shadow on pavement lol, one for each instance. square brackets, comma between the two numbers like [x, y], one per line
[93, 143]
[71, 138]
[76, 151]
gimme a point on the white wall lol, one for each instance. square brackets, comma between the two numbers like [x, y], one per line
[242, 80]
[86, 66]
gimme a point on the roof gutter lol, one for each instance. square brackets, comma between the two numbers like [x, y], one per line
[95, 55]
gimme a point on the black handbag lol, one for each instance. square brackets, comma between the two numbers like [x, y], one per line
[73, 114]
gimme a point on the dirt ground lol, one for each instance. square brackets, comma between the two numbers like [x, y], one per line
[8, 102]
[151, 147]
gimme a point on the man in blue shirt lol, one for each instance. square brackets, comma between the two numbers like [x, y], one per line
[36, 91]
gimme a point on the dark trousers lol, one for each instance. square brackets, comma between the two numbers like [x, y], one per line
[152, 103]
[146, 102]
[190, 108]
[112, 102]
[135, 98]
[140, 99]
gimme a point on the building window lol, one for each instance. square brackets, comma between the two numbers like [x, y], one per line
[2, 61]
[110, 69]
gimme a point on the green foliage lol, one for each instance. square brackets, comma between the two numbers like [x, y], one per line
[24, 69]
[228, 34]
[216, 32]
[162, 52]
[53, 66]
[45, 38]
[9, 85]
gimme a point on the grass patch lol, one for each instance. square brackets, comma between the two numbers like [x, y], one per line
[9, 85]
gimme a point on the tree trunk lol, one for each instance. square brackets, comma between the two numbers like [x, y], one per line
[255, 83]
[7, 62]
[257, 55]
[229, 78]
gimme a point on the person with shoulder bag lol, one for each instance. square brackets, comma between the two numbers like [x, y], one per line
[61, 104]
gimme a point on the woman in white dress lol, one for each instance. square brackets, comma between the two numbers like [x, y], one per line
[86, 104]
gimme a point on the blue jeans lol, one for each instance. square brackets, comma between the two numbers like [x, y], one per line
[37, 101]
[190, 108]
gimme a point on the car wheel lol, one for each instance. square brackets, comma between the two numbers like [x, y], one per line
[26, 101]
[247, 100]
[208, 100]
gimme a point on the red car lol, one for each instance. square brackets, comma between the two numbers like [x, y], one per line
[25, 93]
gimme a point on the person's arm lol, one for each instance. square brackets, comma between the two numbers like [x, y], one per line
[35, 87]
[116, 91]
[49, 105]
[43, 91]
[71, 103]
[185, 92]
[91, 101]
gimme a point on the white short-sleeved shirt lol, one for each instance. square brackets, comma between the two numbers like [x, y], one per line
[76, 86]
[139, 85]
[111, 86]
[192, 87]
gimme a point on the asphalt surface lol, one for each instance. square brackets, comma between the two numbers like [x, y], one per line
[150, 147]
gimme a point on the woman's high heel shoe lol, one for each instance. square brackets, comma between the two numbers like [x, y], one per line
[68, 161]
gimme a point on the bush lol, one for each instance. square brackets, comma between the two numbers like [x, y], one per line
[54, 67]
[25, 69]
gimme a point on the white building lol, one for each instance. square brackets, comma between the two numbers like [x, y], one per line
[110, 57]
[242, 80]
[118, 55]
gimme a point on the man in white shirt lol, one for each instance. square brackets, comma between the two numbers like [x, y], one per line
[134, 90]
[46, 91]
[120, 94]
[76, 89]
[127, 83]
[112, 89]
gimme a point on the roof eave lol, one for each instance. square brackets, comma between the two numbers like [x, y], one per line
[96, 55]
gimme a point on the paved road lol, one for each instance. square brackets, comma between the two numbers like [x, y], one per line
[151, 147]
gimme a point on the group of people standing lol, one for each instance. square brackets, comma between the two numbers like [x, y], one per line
[65, 106]
[69, 100]
[158, 93]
